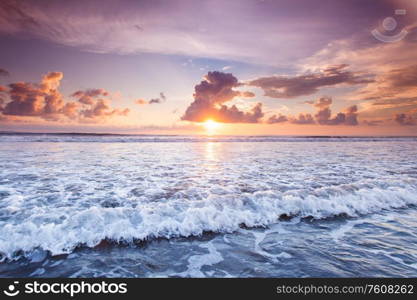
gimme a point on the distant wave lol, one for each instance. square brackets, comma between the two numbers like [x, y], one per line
[120, 138]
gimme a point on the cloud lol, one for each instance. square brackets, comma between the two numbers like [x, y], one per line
[234, 115]
[322, 102]
[392, 65]
[277, 119]
[70, 110]
[87, 96]
[247, 94]
[290, 87]
[218, 88]
[44, 100]
[212, 92]
[154, 26]
[323, 115]
[302, 119]
[405, 119]
[162, 98]
[141, 101]
[92, 105]
[4, 72]
[393, 83]
[2, 101]
[159, 100]
[308, 102]
[373, 122]
[154, 101]
[102, 109]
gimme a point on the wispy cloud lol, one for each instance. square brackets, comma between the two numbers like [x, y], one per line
[193, 28]
[294, 86]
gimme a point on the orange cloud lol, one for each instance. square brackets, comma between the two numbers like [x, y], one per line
[44, 101]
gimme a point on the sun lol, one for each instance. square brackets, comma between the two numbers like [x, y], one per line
[211, 126]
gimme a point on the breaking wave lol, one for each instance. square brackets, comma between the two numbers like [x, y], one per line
[61, 229]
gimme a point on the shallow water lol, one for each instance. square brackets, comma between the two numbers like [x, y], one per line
[152, 206]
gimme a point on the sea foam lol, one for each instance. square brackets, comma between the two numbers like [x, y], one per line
[57, 196]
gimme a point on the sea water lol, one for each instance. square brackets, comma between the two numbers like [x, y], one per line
[76, 205]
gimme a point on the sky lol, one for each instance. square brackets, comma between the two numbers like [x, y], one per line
[253, 67]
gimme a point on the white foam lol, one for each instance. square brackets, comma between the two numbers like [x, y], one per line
[341, 231]
[196, 262]
[61, 229]
[260, 237]
[57, 196]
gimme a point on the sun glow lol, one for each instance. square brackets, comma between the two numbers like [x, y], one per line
[211, 126]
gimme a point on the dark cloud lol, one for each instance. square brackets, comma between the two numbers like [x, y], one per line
[302, 119]
[290, 87]
[159, 100]
[210, 95]
[405, 119]
[403, 77]
[277, 119]
[162, 98]
[351, 115]
[154, 101]
[324, 114]
[322, 102]
[45, 101]
[4, 72]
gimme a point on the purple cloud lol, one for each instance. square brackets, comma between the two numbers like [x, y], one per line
[209, 96]
[323, 115]
[4, 72]
[405, 119]
[291, 87]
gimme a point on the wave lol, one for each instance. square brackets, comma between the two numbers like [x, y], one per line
[120, 138]
[60, 230]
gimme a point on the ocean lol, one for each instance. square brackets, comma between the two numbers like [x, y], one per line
[82, 205]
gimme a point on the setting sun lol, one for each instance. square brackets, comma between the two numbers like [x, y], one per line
[211, 126]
